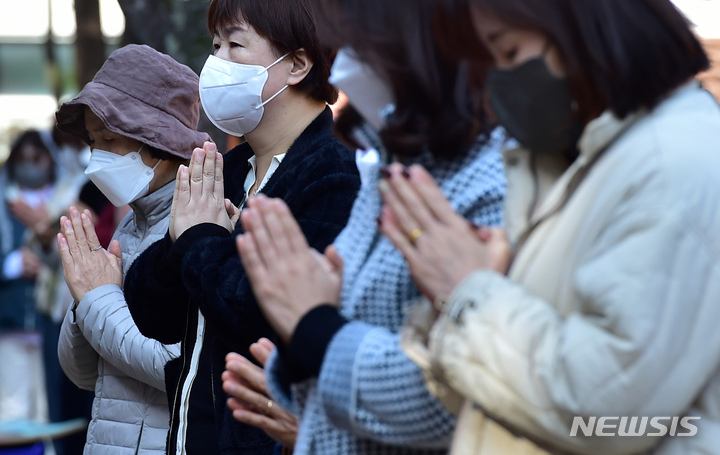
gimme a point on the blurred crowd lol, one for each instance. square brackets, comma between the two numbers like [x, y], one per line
[504, 234]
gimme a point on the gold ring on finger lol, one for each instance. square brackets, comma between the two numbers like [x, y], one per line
[414, 235]
[269, 407]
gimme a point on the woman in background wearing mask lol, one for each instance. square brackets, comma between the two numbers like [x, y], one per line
[26, 180]
[609, 306]
[353, 388]
[139, 115]
[267, 81]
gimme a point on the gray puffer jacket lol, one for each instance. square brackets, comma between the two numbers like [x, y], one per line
[100, 348]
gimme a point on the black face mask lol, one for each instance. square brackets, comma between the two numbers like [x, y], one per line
[534, 106]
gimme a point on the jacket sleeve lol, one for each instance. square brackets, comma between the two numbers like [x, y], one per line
[155, 296]
[214, 274]
[77, 357]
[104, 320]
[647, 293]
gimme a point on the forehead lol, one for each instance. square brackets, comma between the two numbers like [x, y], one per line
[93, 124]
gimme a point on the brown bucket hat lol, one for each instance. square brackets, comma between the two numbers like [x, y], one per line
[142, 94]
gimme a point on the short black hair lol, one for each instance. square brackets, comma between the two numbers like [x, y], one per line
[289, 25]
[621, 55]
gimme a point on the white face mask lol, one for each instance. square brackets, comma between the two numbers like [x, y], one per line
[122, 179]
[366, 91]
[231, 94]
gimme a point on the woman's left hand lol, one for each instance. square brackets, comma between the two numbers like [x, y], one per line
[86, 264]
[441, 247]
[288, 277]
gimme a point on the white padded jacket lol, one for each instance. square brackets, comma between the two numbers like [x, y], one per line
[100, 348]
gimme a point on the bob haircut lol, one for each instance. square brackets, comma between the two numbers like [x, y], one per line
[436, 106]
[289, 26]
[621, 55]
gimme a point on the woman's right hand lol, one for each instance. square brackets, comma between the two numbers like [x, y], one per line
[250, 399]
[440, 246]
[200, 193]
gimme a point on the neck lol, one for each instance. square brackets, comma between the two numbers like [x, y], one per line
[164, 174]
[284, 119]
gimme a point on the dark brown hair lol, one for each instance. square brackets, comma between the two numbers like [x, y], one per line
[436, 106]
[622, 55]
[288, 25]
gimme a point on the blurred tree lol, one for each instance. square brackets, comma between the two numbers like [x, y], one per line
[90, 46]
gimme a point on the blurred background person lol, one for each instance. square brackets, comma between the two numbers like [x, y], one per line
[26, 182]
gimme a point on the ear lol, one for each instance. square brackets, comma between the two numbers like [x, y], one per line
[301, 66]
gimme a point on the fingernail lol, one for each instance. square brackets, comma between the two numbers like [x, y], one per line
[385, 172]
[406, 173]
[85, 218]
[212, 147]
[383, 187]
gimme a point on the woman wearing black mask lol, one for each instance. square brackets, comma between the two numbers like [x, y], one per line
[603, 321]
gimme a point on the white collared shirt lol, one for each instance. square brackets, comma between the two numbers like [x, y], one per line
[252, 176]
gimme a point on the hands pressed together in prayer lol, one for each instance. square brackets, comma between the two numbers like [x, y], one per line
[86, 264]
[289, 278]
[440, 246]
[250, 399]
[200, 194]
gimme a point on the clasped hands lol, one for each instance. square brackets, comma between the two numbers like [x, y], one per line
[86, 264]
[200, 194]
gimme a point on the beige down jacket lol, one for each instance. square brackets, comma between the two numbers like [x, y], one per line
[101, 349]
[611, 309]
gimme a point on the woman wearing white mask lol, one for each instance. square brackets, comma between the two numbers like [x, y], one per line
[139, 116]
[267, 81]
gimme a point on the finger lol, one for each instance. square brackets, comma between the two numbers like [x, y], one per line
[219, 189]
[79, 229]
[389, 228]
[232, 211]
[408, 197]
[269, 345]
[69, 233]
[334, 257]
[89, 229]
[284, 229]
[65, 255]
[259, 401]
[250, 375]
[404, 220]
[115, 249]
[252, 262]
[182, 186]
[432, 196]
[257, 420]
[208, 173]
[260, 352]
[254, 222]
[196, 172]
